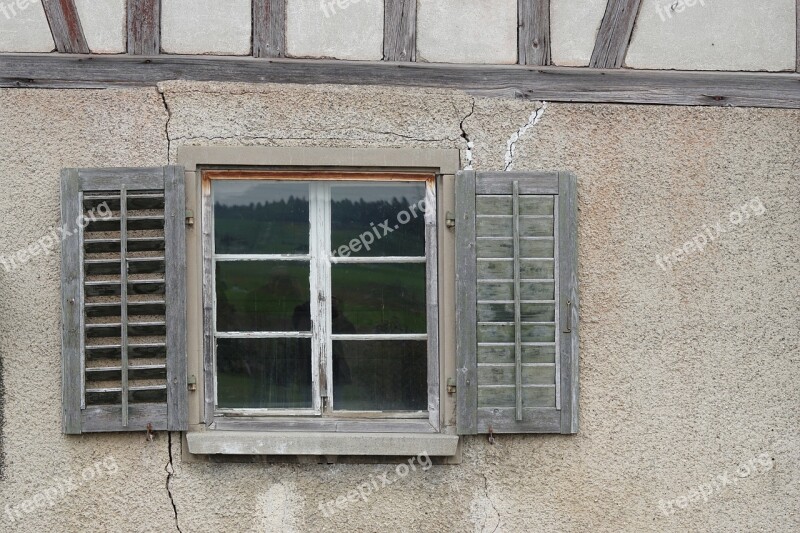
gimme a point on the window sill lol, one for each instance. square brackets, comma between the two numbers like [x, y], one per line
[320, 443]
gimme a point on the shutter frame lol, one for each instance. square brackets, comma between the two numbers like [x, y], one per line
[170, 414]
[562, 187]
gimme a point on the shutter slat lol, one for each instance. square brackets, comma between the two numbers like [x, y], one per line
[517, 360]
[112, 288]
[135, 244]
[94, 310]
[135, 351]
[121, 396]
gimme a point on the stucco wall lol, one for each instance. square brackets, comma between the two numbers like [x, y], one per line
[685, 374]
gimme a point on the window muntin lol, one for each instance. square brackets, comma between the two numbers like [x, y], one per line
[361, 345]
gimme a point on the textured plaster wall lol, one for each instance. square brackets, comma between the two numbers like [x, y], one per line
[685, 374]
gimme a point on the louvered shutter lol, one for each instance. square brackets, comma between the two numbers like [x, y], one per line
[517, 302]
[123, 310]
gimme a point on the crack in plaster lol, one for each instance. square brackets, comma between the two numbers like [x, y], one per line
[166, 125]
[489, 499]
[470, 144]
[169, 468]
[512, 141]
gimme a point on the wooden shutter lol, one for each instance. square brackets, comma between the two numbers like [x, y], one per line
[123, 310]
[517, 302]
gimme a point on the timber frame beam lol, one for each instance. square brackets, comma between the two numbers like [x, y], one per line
[557, 84]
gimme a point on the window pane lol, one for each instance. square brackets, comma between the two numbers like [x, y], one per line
[264, 373]
[380, 375]
[378, 219]
[378, 298]
[263, 296]
[260, 217]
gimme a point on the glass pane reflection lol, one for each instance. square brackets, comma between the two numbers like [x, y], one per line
[378, 219]
[260, 217]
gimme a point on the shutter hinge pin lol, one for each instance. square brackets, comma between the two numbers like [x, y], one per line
[451, 386]
[192, 383]
[189, 217]
[450, 220]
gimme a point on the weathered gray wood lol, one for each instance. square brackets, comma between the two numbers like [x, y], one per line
[400, 30]
[517, 296]
[797, 34]
[557, 84]
[503, 248]
[503, 420]
[300, 423]
[112, 288]
[466, 305]
[508, 375]
[269, 28]
[614, 34]
[154, 350]
[111, 179]
[504, 290]
[504, 332]
[534, 32]
[175, 280]
[569, 300]
[501, 183]
[501, 205]
[530, 269]
[123, 277]
[432, 303]
[505, 396]
[144, 27]
[65, 26]
[209, 290]
[504, 353]
[119, 408]
[105, 418]
[501, 226]
[517, 311]
[71, 306]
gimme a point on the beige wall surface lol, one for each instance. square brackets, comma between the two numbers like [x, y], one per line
[689, 390]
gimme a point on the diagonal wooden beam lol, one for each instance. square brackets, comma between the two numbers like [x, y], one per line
[534, 32]
[615, 33]
[144, 27]
[65, 25]
[400, 30]
[269, 28]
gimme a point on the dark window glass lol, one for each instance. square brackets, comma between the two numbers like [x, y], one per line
[378, 298]
[264, 373]
[380, 375]
[263, 296]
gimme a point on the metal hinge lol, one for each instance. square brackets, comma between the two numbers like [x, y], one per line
[451, 386]
[450, 220]
[189, 217]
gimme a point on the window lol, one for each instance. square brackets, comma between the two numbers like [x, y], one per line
[319, 304]
[289, 301]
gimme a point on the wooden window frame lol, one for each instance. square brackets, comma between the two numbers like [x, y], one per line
[321, 416]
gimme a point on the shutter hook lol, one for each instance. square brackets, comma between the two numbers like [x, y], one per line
[150, 432]
[569, 317]
[491, 435]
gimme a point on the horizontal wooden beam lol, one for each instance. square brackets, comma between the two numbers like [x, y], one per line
[558, 84]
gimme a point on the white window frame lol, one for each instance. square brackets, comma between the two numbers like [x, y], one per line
[320, 259]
